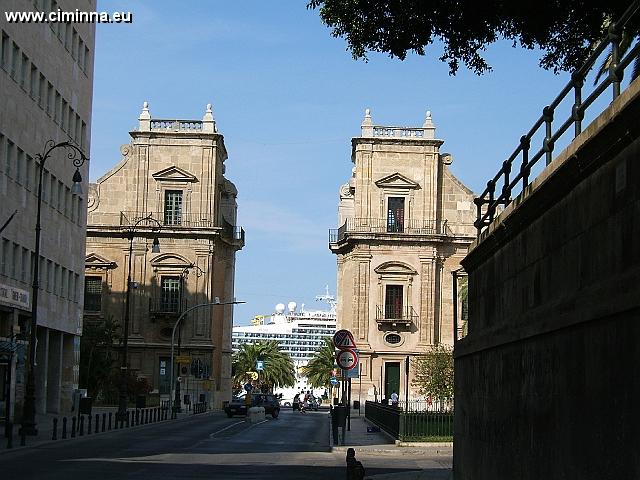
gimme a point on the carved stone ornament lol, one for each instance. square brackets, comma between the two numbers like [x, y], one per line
[93, 198]
[346, 191]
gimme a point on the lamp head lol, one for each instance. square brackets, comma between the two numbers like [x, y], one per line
[76, 189]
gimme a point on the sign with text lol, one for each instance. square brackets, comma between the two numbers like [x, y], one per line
[183, 359]
[15, 297]
[343, 340]
[347, 359]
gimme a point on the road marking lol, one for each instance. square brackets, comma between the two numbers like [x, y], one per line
[225, 428]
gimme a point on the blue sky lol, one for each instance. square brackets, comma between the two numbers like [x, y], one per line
[288, 98]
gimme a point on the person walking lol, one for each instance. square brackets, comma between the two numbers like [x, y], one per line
[394, 399]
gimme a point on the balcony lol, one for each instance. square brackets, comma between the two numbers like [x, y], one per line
[384, 226]
[233, 234]
[167, 307]
[392, 316]
[187, 220]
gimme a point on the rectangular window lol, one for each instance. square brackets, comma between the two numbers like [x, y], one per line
[24, 70]
[74, 43]
[64, 278]
[29, 173]
[4, 52]
[60, 199]
[24, 264]
[4, 257]
[57, 115]
[64, 116]
[78, 137]
[170, 295]
[56, 280]
[15, 265]
[395, 215]
[81, 54]
[85, 64]
[20, 166]
[173, 207]
[50, 99]
[393, 301]
[33, 90]
[92, 293]
[50, 276]
[15, 59]
[42, 93]
[9, 153]
[83, 137]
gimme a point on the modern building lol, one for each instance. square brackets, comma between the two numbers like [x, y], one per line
[405, 222]
[46, 87]
[299, 333]
[170, 186]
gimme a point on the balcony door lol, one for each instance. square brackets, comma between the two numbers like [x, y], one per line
[395, 215]
[393, 302]
[173, 207]
[170, 294]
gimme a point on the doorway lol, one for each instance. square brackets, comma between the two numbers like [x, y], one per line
[391, 378]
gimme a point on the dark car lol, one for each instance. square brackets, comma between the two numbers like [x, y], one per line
[237, 406]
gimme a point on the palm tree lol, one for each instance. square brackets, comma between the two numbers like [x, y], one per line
[319, 369]
[278, 366]
[626, 42]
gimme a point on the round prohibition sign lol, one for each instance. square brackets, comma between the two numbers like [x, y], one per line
[347, 359]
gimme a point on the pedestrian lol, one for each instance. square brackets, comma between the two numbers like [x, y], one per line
[296, 402]
[394, 399]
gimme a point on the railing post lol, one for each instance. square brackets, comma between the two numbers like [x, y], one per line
[64, 428]
[110, 413]
[491, 187]
[97, 429]
[81, 428]
[525, 143]
[577, 114]
[506, 190]
[55, 429]
[104, 422]
[614, 74]
[73, 427]
[547, 144]
[88, 424]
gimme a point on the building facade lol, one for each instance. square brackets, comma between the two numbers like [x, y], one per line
[169, 186]
[46, 88]
[405, 222]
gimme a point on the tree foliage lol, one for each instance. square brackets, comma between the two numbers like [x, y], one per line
[433, 372]
[97, 355]
[319, 369]
[564, 30]
[278, 366]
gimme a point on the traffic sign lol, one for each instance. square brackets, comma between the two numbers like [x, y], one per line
[343, 340]
[183, 359]
[347, 359]
[334, 381]
[259, 365]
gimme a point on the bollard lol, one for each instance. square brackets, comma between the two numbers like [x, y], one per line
[109, 420]
[146, 415]
[355, 470]
[137, 417]
[9, 435]
[81, 427]
[73, 427]
[64, 428]
[23, 438]
[104, 422]
[97, 424]
[88, 424]
[55, 429]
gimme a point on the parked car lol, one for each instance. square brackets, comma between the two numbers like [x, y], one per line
[238, 405]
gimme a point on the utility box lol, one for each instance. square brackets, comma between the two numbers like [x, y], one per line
[255, 414]
[85, 405]
[339, 416]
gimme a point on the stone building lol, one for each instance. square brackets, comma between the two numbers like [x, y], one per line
[46, 88]
[405, 224]
[173, 173]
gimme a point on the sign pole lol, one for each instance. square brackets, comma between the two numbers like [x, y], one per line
[349, 405]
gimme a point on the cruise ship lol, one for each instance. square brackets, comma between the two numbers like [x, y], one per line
[299, 332]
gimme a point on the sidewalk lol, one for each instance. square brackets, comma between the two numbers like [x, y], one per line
[45, 428]
[366, 442]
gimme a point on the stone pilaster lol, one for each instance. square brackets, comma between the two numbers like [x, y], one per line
[427, 295]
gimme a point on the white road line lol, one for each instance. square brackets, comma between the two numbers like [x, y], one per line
[225, 428]
[259, 423]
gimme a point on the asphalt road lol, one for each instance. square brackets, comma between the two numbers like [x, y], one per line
[294, 446]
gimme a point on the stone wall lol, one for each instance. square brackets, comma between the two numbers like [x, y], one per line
[546, 385]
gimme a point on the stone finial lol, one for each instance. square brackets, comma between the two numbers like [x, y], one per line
[208, 122]
[367, 124]
[145, 118]
[428, 126]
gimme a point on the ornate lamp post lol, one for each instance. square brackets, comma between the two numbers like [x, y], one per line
[78, 158]
[124, 377]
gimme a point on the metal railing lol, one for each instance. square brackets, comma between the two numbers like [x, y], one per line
[232, 232]
[393, 314]
[412, 425]
[385, 226]
[167, 306]
[162, 124]
[495, 197]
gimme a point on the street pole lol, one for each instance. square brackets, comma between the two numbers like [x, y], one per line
[29, 426]
[124, 366]
[406, 393]
[176, 401]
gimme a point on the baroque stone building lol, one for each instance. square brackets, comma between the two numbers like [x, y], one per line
[170, 186]
[46, 89]
[405, 224]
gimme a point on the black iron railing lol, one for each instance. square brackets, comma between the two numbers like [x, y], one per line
[393, 314]
[385, 226]
[496, 196]
[232, 233]
[167, 306]
[412, 425]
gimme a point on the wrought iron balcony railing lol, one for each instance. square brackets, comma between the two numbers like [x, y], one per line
[385, 226]
[232, 233]
[167, 305]
[392, 315]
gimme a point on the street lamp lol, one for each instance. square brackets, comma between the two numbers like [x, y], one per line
[123, 397]
[78, 158]
[176, 401]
